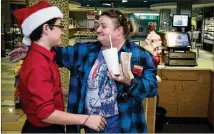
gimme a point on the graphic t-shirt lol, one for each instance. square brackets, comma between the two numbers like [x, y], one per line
[101, 91]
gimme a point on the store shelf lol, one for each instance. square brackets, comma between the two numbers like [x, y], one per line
[78, 28]
[208, 41]
[209, 30]
[13, 35]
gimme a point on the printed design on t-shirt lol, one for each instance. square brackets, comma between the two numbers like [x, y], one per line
[101, 91]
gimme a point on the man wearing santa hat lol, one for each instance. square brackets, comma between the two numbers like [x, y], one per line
[40, 86]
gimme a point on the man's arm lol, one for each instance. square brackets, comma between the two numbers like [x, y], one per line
[41, 88]
[95, 122]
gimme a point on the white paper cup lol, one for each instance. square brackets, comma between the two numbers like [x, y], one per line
[111, 59]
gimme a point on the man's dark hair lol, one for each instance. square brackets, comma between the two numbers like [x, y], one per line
[37, 33]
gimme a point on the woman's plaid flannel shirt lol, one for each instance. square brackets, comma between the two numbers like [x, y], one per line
[80, 58]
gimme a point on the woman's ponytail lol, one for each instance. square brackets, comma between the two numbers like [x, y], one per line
[131, 27]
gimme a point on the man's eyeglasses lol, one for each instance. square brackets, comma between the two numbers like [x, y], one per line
[59, 26]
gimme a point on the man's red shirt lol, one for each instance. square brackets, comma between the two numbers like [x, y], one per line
[40, 85]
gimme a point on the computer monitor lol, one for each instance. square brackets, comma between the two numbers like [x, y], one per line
[177, 40]
[180, 20]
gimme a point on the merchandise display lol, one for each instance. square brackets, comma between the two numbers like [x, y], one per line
[13, 34]
[209, 30]
[16, 91]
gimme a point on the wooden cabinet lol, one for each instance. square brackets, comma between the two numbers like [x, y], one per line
[150, 113]
[168, 96]
[184, 93]
[211, 102]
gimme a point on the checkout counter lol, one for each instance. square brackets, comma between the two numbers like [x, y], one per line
[186, 87]
[177, 49]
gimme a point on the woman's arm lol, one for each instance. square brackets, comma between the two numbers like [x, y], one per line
[145, 84]
[66, 56]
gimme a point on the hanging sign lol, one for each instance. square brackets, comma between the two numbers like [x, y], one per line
[91, 16]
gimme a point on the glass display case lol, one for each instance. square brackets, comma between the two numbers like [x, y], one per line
[13, 34]
[209, 31]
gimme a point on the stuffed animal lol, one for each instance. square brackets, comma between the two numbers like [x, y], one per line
[153, 44]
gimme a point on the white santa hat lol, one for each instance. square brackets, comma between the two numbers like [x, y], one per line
[32, 17]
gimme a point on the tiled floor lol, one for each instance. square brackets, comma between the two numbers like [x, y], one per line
[12, 119]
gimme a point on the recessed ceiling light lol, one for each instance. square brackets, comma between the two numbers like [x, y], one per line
[88, 5]
[144, 1]
[124, 1]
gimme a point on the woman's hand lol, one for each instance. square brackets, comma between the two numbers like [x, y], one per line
[65, 92]
[120, 78]
[18, 53]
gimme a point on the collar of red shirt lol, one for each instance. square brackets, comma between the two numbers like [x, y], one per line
[49, 54]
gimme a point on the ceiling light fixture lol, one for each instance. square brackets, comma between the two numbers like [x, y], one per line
[88, 5]
[124, 1]
[144, 1]
[106, 4]
[151, 14]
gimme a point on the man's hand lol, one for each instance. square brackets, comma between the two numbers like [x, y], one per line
[18, 53]
[95, 122]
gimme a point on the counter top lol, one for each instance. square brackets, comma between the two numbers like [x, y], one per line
[205, 62]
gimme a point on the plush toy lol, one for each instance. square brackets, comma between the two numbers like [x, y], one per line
[153, 44]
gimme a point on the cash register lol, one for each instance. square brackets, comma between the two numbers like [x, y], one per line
[177, 52]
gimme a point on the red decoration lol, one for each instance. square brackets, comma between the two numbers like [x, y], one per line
[152, 27]
[137, 70]
[157, 60]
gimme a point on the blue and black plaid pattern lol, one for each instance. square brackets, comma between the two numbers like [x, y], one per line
[79, 59]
